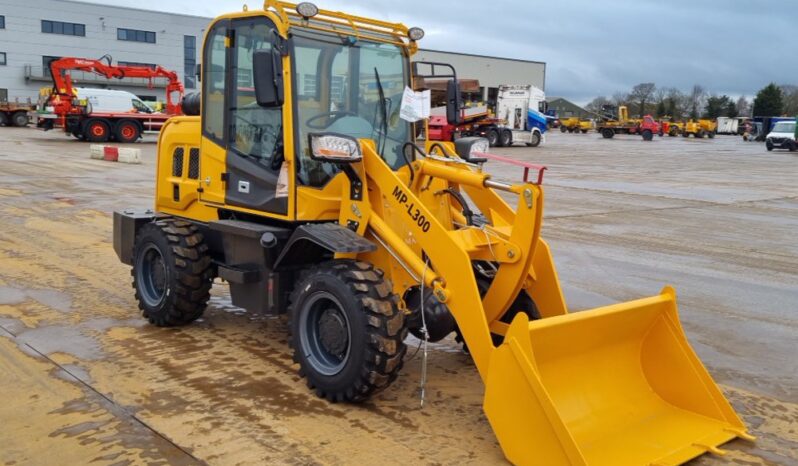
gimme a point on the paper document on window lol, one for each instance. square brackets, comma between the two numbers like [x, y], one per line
[415, 105]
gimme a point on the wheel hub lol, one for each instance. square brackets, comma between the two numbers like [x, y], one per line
[333, 332]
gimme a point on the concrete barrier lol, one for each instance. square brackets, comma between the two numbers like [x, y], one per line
[115, 154]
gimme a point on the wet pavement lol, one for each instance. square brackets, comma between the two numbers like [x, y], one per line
[85, 379]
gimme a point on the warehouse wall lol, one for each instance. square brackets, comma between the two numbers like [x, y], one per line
[24, 43]
[490, 71]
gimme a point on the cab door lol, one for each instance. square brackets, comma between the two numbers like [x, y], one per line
[242, 149]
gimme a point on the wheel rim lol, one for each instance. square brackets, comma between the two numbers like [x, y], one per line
[151, 275]
[492, 138]
[325, 335]
[128, 132]
[98, 130]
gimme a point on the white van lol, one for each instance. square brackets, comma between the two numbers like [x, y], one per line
[112, 101]
[782, 136]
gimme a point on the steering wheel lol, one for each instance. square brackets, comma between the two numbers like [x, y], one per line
[332, 116]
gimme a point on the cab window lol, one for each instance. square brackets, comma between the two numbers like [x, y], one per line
[214, 66]
[255, 131]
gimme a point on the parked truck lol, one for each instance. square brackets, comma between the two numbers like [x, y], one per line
[619, 123]
[14, 113]
[100, 115]
[518, 118]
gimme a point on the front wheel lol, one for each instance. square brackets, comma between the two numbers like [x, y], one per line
[711, 135]
[347, 332]
[506, 138]
[769, 146]
[172, 272]
[535, 140]
[607, 133]
[563, 129]
[648, 135]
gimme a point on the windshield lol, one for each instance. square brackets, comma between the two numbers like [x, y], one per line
[784, 127]
[337, 90]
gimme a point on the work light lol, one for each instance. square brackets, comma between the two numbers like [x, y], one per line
[307, 10]
[415, 34]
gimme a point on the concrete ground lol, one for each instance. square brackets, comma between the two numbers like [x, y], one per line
[85, 379]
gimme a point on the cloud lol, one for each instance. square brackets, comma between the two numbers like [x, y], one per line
[595, 48]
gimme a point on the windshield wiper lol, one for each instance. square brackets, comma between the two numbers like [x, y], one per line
[384, 113]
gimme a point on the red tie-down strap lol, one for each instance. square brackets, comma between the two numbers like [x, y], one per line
[527, 166]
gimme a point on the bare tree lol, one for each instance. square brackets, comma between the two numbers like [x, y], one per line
[696, 100]
[743, 107]
[790, 99]
[596, 106]
[619, 98]
[642, 94]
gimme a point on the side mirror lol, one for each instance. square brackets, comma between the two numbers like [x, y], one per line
[453, 99]
[268, 73]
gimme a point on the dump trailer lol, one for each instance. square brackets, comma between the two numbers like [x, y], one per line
[15, 113]
[699, 129]
[341, 220]
[575, 125]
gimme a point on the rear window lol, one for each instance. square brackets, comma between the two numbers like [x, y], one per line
[784, 127]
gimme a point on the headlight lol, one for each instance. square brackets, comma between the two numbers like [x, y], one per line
[307, 10]
[469, 148]
[334, 148]
[415, 34]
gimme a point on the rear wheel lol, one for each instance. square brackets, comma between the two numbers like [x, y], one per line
[20, 119]
[347, 332]
[584, 131]
[685, 134]
[96, 130]
[3, 119]
[127, 131]
[563, 129]
[493, 137]
[534, 139]
[711, 135]
[172, 272]
[607, 133]
[700, 134]
[648, 135]
[506, 138]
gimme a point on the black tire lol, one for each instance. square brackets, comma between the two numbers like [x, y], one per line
[563, 129]
[584, 131]
[673, 133]
[647, 135]
[506, 138]
[711, 135]
[172, 272]
[19, 119]
[791, 146]
[661, 133]
[535, 139]
[607, 133]
[3, 119]
[685, 134]
[699, 134]
[493, 137]
[127, 131]
[96, 130]
[768, 146]
[346, 303]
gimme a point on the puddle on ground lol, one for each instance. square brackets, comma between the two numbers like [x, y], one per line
[55, 299]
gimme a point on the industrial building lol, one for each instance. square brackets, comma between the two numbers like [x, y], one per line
[564, 108]
[34, 32]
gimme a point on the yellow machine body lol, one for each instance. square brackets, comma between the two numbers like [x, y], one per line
[610, 386]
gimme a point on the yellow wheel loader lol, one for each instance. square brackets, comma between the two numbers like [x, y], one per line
[294, 178]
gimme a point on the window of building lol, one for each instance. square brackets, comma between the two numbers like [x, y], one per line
[2, 22]
[60, 27]
[190, 62]
[309, 88]
[2, 58]
[135, 63]
[135, 35]
[46, 64]
[3, 95]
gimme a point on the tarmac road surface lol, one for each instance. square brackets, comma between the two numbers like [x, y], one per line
[86, 379]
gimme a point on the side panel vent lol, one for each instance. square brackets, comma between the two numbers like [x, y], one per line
[193, 163]
[177, 162]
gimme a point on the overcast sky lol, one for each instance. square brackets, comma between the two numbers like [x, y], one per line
[594, 48]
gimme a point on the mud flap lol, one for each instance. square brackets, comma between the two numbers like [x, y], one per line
[617, 385]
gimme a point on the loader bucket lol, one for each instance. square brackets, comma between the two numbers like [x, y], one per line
[617, 385]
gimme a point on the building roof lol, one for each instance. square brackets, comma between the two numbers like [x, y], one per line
[483, 56]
